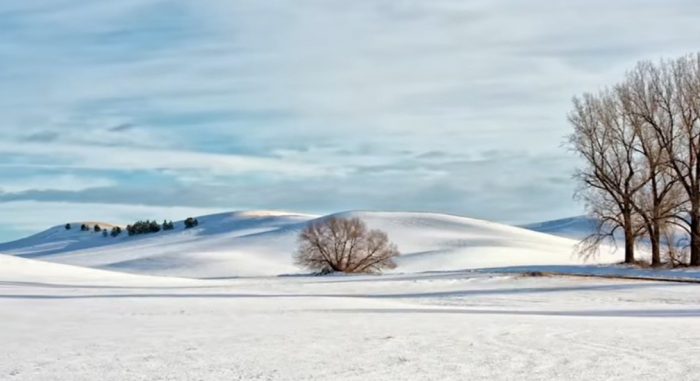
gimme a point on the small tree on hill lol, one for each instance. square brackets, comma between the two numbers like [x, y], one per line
[344, 245]
[153, 227]
[116, 231]
[84, 228]
[104, 233]
[98, 228]
[168, 225]
[191, 222]
[68, 227]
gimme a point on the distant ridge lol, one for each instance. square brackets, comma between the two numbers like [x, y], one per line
[577, 227]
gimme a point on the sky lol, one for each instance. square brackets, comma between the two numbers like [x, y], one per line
[117, 110]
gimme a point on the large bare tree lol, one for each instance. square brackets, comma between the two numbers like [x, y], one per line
[658, 202]
[612, 175]
[665, 99]
[344, 245]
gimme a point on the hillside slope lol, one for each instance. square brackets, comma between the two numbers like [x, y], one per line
[262, 243]
[574, 227]
[16, 271]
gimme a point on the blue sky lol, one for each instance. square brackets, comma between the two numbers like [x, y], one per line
[124, 109]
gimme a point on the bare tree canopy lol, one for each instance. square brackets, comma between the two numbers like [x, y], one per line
[610, 179]
[344, 245]
[640, 145]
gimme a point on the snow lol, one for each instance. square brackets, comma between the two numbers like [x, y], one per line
[261, 243]
[574, 227]
[610, 271]
[223, 301]
[440, 326]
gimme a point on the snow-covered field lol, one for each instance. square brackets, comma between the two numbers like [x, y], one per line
[224, 302]
[443, 326]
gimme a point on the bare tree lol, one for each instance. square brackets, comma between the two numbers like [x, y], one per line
[612, 176]
[658, 202]
[344, 245]
[666, 98]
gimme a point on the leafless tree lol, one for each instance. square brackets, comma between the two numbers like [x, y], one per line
[612, 175]
[665, 97]
[658, 202]
[344, 245]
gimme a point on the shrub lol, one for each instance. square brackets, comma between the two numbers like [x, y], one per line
[68, 227]
[84, 228]
[104, 233]
[344, 245]
[191, 222]
[98, 228]
[116, 231]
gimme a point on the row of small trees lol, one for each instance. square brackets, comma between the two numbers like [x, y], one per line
[139, 227]
[115, 232]
[146, 227]
[640, 144]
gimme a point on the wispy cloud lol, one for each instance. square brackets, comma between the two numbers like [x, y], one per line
[446, 105]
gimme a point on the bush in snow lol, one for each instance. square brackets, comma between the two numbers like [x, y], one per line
[345, 245]
[191, 222]
[116, 231]
[84, 228]
[68, 226]
[97, 228]
[104, 233]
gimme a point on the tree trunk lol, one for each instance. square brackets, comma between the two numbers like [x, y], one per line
[629, 237]
[655, 241]
[629, 249]
[695, 239]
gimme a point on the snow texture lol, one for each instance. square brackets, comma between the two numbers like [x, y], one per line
[441, 326]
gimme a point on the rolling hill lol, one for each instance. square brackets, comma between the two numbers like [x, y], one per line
[577, 227]
[261, 244]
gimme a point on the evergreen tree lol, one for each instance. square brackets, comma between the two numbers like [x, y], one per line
[68, 227]
[84, 227]
[153, 227]
[116, 231]
[98, 228]
[104, 233]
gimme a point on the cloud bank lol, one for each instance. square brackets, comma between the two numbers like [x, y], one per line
[315, 106]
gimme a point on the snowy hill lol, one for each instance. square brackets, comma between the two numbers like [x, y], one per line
[574, 227]
[40, 273]
[262, 243]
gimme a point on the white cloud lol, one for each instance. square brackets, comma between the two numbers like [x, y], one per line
[324, 92]
[127, 159]
[64, 182]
